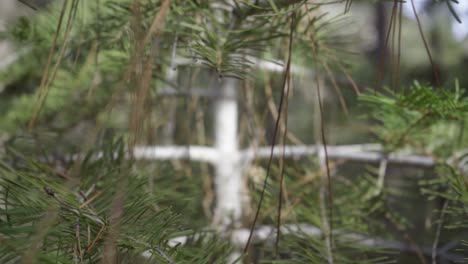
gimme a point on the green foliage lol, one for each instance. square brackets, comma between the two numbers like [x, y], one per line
[419, 117]
[72, 219]
[53, 217]
[99, 39]
[360, 210]
[430, 120]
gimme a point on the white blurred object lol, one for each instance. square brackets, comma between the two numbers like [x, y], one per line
[408, 8]
[11, 10]
[459, 30]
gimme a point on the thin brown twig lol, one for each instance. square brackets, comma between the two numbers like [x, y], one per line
[144, 80]
[348, 76]
[426, 46]
[98, 236]
[71, 17]
[400, 28]
[274, 111]
[392, 51]
[90, 200]
[328, 214]
[282, 166]
[207, 182]
[142, 77]
[336, 87]
[52, 214]
[328, 231]
[275, 132]
[26, 3]
[383, 54]
[42, 86]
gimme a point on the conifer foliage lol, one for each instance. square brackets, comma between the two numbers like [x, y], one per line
[88, 89]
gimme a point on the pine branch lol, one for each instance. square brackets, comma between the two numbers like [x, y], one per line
[262, 64]
[262, 6]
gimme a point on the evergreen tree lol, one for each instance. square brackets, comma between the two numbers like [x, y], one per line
[87, 99]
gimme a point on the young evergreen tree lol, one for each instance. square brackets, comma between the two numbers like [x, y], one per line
[86, 101]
